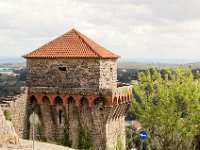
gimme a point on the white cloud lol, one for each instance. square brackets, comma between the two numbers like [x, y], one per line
[131, 28]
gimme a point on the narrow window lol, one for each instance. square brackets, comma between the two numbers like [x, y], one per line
[62, 68]
[60, 116]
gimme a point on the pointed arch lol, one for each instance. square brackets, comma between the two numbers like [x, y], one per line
[115, 102]
[33, 102]
[45, 99]
[100, 101]
[71, 101]
[58, 100]
[33, 99]
[84, 101]
[119, 100]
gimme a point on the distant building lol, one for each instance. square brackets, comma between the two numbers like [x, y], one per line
[7, 71]
[72, 83]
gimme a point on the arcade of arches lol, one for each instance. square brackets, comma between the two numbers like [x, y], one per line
[57, 112]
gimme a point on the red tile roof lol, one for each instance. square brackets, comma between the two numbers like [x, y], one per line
[72, 44]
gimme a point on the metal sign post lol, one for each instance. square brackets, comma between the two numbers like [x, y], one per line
[33, 130]
[141, 146]
[33, 120]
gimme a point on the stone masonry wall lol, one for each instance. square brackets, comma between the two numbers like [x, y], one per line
[17, 109]
[115, 128]
[70, 73]
[50, 128]
[108, 73]
[105, 123]
[7, 131]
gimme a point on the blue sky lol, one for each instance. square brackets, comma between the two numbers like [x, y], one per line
[134, 29]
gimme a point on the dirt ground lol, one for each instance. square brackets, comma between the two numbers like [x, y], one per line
[28, 145]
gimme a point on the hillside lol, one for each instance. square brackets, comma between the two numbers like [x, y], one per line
[121, 65]
[13, 65]
[142, 66]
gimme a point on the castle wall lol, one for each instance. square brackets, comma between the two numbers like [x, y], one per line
[18, 111]
[74, 117]
[7, 131]
[70, 73]
[115, 128]
[104, 123]
[73, 124]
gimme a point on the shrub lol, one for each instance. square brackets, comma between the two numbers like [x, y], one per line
[85, 139]
[7, 115]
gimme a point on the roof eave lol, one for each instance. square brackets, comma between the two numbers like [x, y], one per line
[51, 57]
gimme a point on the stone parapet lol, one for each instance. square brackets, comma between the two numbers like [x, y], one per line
[76, 91]
[122, 94]
[112, 97]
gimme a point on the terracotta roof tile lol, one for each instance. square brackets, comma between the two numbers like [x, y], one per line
[72, 44]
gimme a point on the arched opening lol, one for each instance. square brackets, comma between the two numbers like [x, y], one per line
[58, 100]
[58, 109]
[45, 100]
[72, 117]
[71, 101]
[100, 102]
[119, 100]
[84, 102]
[115, 101]
[46, 118]
[33, 99]
[33, 102]
[84, 111]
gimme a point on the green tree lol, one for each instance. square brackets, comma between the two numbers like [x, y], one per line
[168, 107]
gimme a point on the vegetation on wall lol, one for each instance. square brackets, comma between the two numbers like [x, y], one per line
[168, 106]
[40, 131]
[118, 142]
[7, 115]
[85, 139]
[67, 141]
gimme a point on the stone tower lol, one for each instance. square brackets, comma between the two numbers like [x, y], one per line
[72, 84]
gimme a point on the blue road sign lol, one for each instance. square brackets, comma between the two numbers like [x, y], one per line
[143, 135]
